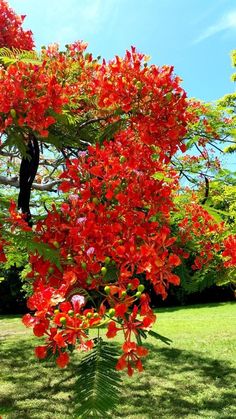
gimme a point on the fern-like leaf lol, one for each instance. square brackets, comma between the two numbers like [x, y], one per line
[25, 241]
[11, 56]
[163, 339]
[98, 383]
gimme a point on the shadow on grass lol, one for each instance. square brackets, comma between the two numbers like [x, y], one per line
[178, 384]
[32, 389]
[175, 384]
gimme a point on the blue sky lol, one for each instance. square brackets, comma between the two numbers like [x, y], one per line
[196, 36]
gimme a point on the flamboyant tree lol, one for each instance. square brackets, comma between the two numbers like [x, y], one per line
[116, 129]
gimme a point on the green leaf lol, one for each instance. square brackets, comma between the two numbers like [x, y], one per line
[15, 139]
[230, 149]
[164, 339]
[216, 214]
[110, 131]
[111, 274]
[24, 241]
[11, 56]
[98, 383]
[161, 176]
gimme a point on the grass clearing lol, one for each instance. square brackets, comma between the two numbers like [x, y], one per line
[193, 378]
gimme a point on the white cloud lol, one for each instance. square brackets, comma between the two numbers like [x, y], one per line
[226, 23]
[86, 18]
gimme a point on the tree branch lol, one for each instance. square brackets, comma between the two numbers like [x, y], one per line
[14, 181]
[92, 121]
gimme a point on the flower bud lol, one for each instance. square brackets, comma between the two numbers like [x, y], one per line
[95, 200]
[111, 312]
[107, 260]
[107, 289]
[83, 265]
[103, 271]
[56, 244]
[13, 113]
[141, 288]
[63, 320]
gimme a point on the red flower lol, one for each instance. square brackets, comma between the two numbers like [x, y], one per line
[28, 320]
[62, 360]
[41, 352]
[60, 340]
[12, 34]
[120, 309]
[230, 251]
[39, 329]
[112, 330]
[131, 357]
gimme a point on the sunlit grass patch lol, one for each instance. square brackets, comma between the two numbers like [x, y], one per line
[193, 378]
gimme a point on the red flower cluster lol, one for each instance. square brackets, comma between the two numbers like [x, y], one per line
[28, 96]
[2, 245]
[12, 35]
[113, 232]
[33, 95]
[200, 228]
[109, 239]
[230, 251]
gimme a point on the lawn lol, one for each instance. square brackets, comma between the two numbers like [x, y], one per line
[193, 378]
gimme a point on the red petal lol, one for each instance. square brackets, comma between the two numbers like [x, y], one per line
[28, 320]
[41, 352]
[62, 360]
[120, 310]
[141, 351]
[39, 330]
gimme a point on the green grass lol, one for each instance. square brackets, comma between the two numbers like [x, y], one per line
[193, 378]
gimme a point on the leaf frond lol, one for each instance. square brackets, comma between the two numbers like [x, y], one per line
[98, 383]
[11, 56]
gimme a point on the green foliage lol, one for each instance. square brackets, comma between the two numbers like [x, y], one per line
[98, 383]
[110, 130]
[162, 177]
[23, 243]
[228, 276]
[157, 336]
[196, 281]
[11, 56]
[15, 140]
[72, 131]
[223, 202]
[221, 205]
[144, 334]
[233, 60]
[230, 149]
